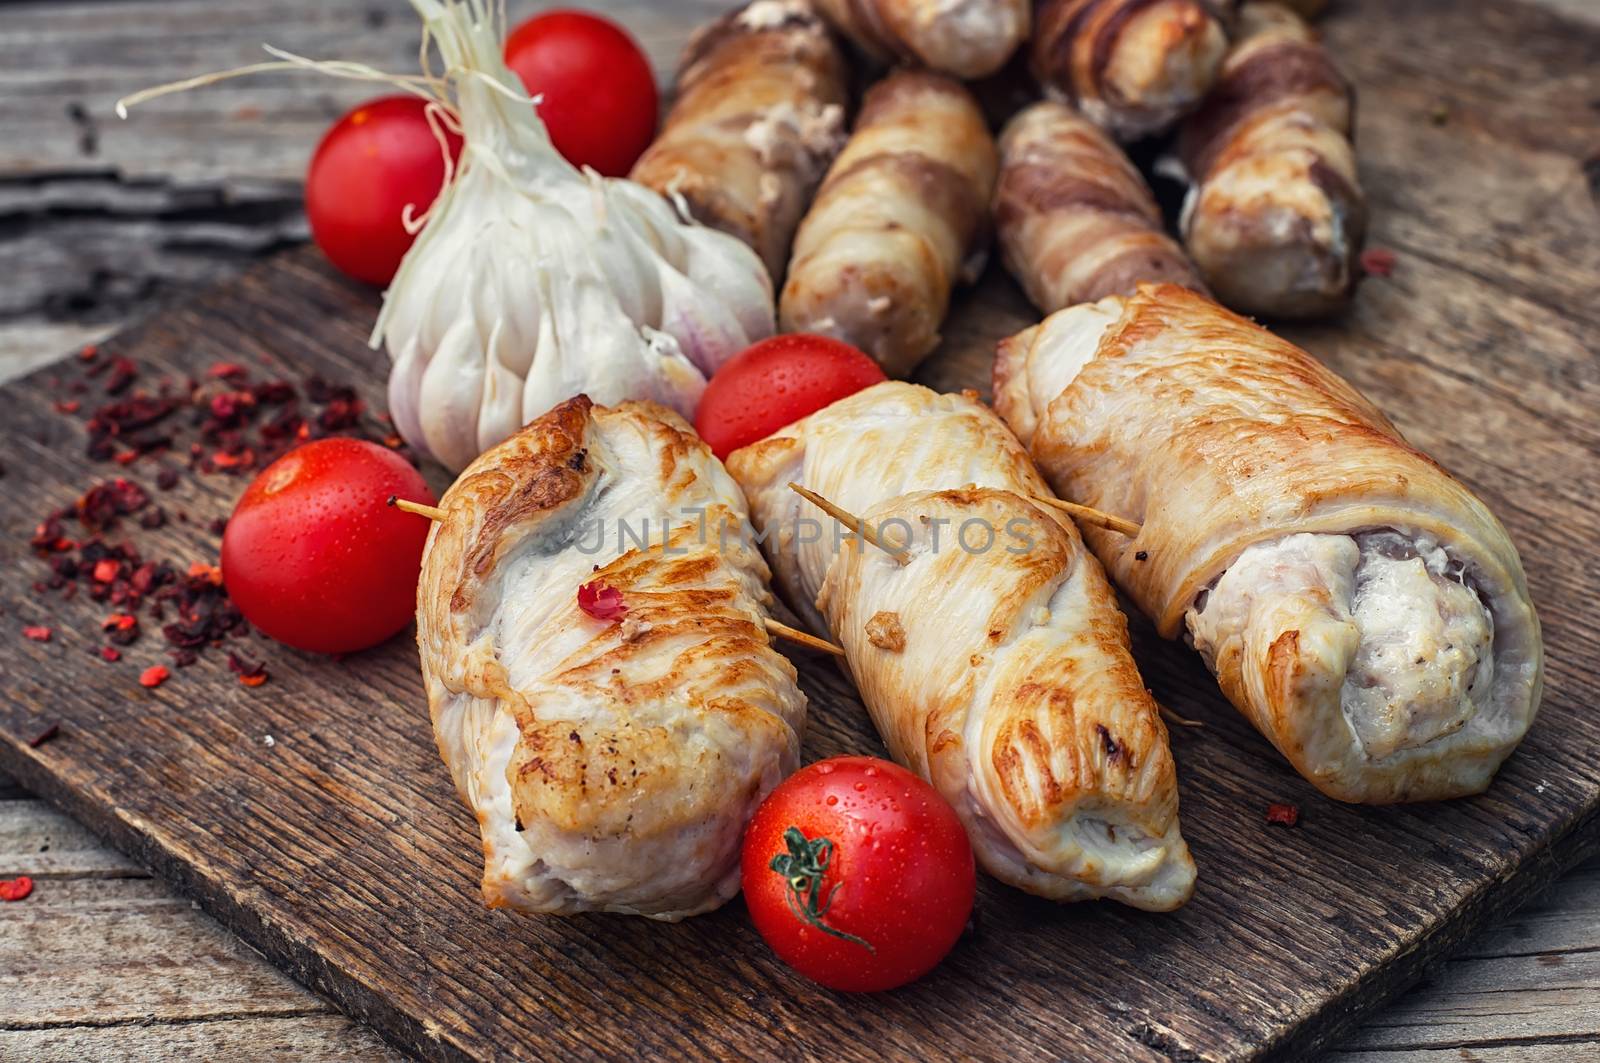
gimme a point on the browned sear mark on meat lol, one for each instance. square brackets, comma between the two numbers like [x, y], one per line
[886, 632]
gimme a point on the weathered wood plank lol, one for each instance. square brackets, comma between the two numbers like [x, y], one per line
[93, 952]
[304, 1039]
[1227, 772]
[41, 841]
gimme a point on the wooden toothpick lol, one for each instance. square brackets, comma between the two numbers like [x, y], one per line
[1172, 717]
[855, 523]
[1090, 515]
[784, 631]
[431, 512]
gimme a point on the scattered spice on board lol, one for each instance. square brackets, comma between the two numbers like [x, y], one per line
[223, 422]
[601, 601]
[44, 736]
[15, 889]
[250, 673]
[1284, 815]
[1377, 262]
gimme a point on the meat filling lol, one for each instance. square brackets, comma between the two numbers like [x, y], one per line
[1389, 620]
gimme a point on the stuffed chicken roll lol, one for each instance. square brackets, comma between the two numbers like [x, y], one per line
[1360, 605]
[994, 660]
[600, 678]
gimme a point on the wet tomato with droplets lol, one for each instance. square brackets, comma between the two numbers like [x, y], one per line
[313, 555]
[774, 383]
[858, 874]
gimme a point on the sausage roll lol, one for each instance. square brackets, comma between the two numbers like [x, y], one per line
[1363, 608]
[901, 215]
[966, 38]
[994, 662]
[1275, 214]
[759, 114]
[1074, 218]
[612, 763]
[1132, 66]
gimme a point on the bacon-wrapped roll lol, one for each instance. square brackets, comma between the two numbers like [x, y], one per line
[995, 662]
[758, 116]
[1132, 66]
[1275, 214]
[1363, 608]
[966, 38]
[612, 764]
[900, 217]
[1074, 219]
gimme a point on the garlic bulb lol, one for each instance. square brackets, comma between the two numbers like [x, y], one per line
[532, 281]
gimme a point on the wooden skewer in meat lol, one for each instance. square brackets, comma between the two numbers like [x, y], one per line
[965, 38]
[1275, 214]
[994, 661]
[1134, 67]
[1363, 608]
[901, 216]
[759, 114]
[612, 764]
[1075, 220]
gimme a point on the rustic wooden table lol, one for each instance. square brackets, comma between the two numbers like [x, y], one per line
[102, 222]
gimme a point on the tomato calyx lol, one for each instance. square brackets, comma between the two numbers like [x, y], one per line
[803, 868]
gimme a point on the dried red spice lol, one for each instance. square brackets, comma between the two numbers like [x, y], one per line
[601, 601]
[250, 673]
[106, 570]
[38, 633]
[154, 676]
[44, 736]
[1377, 262]
[1285, 815]
[15, 889]
[68, 406]
[110, 653]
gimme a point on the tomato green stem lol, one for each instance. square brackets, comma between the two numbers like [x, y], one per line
[803, 868]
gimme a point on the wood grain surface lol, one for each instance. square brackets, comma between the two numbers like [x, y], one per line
[1479, 341]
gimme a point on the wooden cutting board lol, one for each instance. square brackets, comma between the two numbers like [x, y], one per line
[341, 850]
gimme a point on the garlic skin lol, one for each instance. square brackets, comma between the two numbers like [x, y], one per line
[532, 282]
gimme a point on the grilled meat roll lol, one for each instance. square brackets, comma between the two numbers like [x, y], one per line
[1134, 67]
[901, 215]
[759, 114]
[1275, 214]
[966, 38]
[995, 662]
[1074, 218]
[612, 766]
[1363, 608]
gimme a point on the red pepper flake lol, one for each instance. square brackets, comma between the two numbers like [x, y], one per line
[1377, 262]
[110, 653]
[1286, 815]
[89, 353]
[601, 601]
[15, 889]
[38, 633]
[69, 406]
[44, 736]
[223, 370]
[106, 570]
[123, 372]
[153, 676]
[210, 573]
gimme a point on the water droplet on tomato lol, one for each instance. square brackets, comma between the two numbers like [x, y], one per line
[833, 799]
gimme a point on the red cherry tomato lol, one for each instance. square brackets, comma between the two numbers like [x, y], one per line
[315, 558]
[858, 874]
[599, 93]
[775, 383]
[370, 165]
